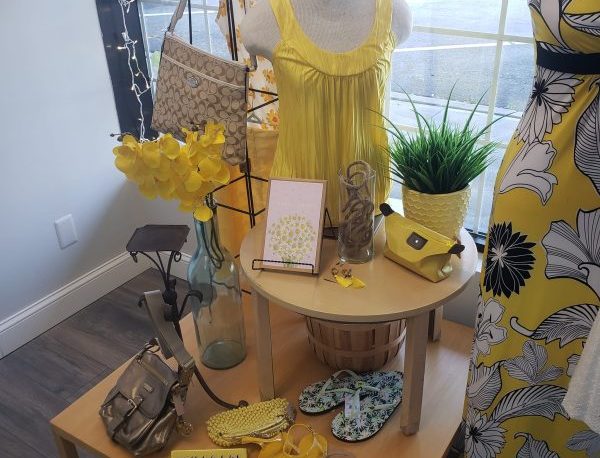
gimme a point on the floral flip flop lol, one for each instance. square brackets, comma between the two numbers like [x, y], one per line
[326, 395]
[375, 409]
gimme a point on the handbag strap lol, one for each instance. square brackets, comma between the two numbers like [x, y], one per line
[177, 15]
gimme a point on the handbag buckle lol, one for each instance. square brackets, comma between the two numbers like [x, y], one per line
[416, 241]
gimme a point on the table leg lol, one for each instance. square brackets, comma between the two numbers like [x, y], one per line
[414, 372]
[435, 323]
[66, 448]
[264, 351]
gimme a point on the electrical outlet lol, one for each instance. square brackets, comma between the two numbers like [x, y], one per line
[65, 231]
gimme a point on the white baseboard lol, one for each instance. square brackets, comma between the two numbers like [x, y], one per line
[43, 314]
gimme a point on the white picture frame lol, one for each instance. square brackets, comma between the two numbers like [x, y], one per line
[294, 225]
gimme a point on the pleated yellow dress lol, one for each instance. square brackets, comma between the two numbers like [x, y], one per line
[540, 285]
[328, 103]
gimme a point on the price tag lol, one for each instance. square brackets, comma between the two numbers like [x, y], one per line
[352, 405]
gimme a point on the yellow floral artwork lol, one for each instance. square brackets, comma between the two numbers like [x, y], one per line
[292, 238]
[169, 169]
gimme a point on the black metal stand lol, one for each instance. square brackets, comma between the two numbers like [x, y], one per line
[156, 239]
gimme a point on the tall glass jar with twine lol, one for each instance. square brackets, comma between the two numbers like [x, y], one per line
[357, 213]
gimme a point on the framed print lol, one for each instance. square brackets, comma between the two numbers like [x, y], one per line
[294, 227]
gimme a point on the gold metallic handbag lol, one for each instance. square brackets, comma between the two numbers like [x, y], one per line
[261, 420]
[194, 87]
[418, 248]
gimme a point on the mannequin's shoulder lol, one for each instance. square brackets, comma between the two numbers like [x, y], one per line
[402, 21]
[259, 29]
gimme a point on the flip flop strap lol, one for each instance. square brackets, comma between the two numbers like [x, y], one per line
[330, 380]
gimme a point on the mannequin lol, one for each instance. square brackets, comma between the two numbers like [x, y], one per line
[333, 25]
[331, 59]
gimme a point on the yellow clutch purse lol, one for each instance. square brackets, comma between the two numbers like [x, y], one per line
[261, 420]
[419, 249]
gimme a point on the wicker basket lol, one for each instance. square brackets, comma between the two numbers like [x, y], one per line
[359, 347]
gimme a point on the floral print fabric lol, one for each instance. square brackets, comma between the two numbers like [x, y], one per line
[540, 286]
[263, 78]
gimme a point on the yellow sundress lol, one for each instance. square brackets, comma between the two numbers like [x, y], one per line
[539, 287]
[328, 103]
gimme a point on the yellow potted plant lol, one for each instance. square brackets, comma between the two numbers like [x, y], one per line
[435, 167]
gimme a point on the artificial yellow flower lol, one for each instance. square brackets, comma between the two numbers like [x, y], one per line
[209, 167]
[166, 168]
[187, 206]
[169, 146]
[194, 182]
[149, 189]
[182, 165]
[197, 152]
[151, 154]
[163, 171]
[203, 213]
[223, 175]
[213, 134]
[166, 189]
[191, 136]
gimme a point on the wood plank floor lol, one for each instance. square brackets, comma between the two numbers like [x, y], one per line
[40, 379]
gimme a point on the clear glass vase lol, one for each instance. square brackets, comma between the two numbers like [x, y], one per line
[357, 213]
[219, 319]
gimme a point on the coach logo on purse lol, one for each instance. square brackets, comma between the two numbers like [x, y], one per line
[416, 241]
[193, 81]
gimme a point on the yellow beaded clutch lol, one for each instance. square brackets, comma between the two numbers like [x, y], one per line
[261, 420]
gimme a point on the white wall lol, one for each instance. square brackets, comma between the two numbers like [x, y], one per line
[56, 111]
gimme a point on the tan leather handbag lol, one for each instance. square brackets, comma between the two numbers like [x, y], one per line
[194, 87]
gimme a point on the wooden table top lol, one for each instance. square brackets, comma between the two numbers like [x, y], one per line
[444, 388]
[392, 292]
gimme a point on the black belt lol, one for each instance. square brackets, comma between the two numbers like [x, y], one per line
[579, 64]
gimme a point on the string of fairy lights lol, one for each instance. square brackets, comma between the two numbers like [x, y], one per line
[139, 82]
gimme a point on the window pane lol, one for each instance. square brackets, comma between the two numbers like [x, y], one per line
[475, 15]
[514, 86]
[428, 66]
[518, 18]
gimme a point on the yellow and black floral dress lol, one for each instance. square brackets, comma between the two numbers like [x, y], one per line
[540, 288]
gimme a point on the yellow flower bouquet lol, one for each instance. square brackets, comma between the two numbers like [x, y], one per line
[188, 172]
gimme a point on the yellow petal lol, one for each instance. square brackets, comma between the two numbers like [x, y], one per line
[223, 176]
[196, 153]
[163, 172]
[125, 164]
[358, 283]
[193, 182]
[214, 151]
[187, 206]
[124, 151]
[131, 142]
[151, 154]
[203, 213]
[190, 135]
[208, 168]
[213, 133]
[149, 189]
[345, 282]
[166, 189]
[182, 165]
[169, 146]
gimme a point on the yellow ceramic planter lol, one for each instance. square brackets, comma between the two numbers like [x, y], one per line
[443, 213]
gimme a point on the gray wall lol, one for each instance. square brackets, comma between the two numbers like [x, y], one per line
[56, 111]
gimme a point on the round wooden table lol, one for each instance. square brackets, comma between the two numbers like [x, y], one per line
[392, 293]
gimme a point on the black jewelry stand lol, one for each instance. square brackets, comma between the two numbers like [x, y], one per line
[156, 239]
